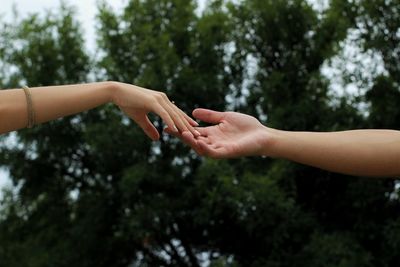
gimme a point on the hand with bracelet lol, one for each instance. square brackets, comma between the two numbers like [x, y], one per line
[366, 152]
[20, 108]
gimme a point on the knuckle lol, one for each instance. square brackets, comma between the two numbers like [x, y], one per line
[158, 97]
[161, 96]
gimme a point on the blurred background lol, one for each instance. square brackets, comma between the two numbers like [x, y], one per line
[92, 190]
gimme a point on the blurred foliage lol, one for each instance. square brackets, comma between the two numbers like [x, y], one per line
[91, 190]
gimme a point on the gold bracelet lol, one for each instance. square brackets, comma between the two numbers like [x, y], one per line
[31, 111]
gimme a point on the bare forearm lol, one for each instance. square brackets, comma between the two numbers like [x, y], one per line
[358, 152]
[50, 103]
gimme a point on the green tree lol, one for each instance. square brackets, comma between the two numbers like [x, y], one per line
[92, 190]
[379, 22]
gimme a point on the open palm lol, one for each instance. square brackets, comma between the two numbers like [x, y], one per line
[232, 135]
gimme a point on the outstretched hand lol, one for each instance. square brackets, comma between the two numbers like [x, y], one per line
[357, 152]
[137, 102]
[231, 135]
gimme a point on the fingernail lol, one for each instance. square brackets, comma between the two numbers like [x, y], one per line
[197, 133]
[176, 129]
[196, 123]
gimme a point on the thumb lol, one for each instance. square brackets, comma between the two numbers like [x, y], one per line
[208, 115]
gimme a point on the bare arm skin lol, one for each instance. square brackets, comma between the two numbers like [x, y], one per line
[357, 152]
[53, 102]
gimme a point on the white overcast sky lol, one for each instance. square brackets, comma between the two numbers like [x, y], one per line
[86, 11]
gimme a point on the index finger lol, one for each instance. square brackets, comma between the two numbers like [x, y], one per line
[165, 116]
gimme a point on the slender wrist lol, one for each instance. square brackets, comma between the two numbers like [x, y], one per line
[273, 140]
[111, 89]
